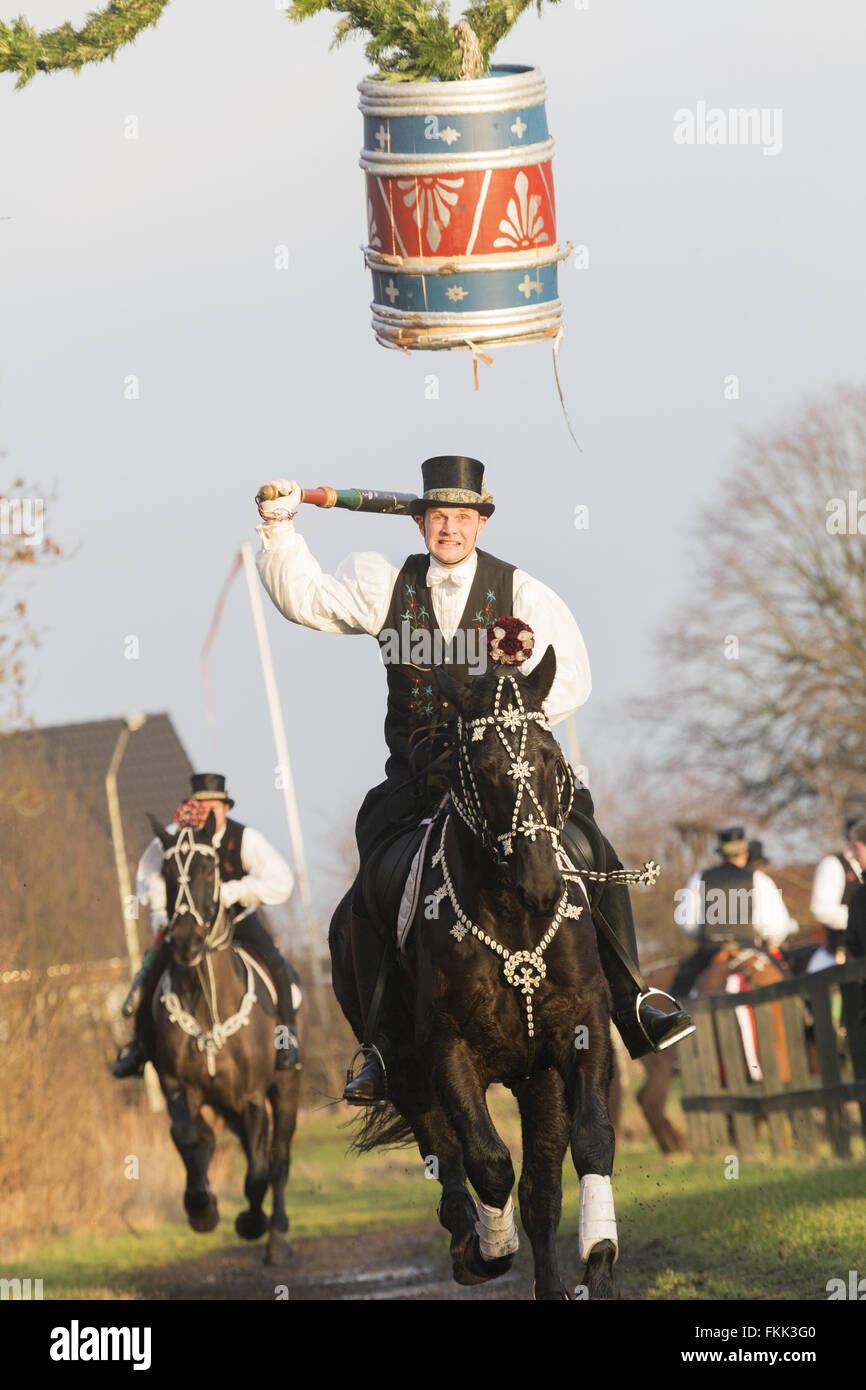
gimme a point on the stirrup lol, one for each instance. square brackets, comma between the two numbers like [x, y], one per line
[367, 1050]
[669, 1042]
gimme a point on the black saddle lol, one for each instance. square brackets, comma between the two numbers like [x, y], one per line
[578, 845]
[382, 878]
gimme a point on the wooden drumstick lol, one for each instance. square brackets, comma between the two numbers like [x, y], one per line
[351, 499]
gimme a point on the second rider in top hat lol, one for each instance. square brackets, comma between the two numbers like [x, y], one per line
[451, 587]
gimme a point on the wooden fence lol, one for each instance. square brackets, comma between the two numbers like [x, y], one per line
[800, 1078]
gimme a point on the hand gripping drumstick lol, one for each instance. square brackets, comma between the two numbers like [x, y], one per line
[352, 499]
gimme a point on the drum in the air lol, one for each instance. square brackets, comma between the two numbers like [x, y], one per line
[460, 211]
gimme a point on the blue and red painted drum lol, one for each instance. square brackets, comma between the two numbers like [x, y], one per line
[460, 210]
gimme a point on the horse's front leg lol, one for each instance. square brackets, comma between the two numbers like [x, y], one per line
[194, 1140]
[443, 1158]
[545, 1123]
[283, 1095]
[587, 1074]
[486, 1159]
[254, 1135]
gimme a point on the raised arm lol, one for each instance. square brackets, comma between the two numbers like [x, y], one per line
[354, 599]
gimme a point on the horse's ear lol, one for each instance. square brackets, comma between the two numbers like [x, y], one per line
[449, 688]
[159, 830]
[205, 834]
[541, 679]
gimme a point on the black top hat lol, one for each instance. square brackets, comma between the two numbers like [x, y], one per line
[453, 481]
[757, 857]
[851, 821]
[732, 841]
[210, 786]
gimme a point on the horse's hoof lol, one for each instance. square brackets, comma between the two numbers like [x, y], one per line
[472, 1268]
[598, 1276]
[250, 1225]
[204, 1219]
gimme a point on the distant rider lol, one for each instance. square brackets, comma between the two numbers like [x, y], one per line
[251, 872]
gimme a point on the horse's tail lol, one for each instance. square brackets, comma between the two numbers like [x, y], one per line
[380, 1127]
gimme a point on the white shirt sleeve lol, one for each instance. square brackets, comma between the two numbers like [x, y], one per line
[552, 623]
[355, 599]
[828, 887]
[769, 914]
[268, 876]
[688, 912]
[150, 884]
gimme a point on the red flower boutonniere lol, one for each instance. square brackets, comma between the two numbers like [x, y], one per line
[509, 641]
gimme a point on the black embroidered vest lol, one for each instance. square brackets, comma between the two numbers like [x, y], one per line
[229, 851]
[419, 723]
[727, 905]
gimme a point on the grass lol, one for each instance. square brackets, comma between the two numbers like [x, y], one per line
[781, 1229]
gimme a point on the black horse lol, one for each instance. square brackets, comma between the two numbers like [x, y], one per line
[216, 1028]
[500, 981]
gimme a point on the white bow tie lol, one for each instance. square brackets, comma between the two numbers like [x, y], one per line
[439, 576]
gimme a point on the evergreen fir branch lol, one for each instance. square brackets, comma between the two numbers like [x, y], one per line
[413, 40]
[24, 51]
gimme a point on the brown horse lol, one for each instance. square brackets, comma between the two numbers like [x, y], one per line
[756, 969]
[216, 1026]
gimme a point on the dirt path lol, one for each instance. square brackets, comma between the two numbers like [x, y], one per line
[408, 1263]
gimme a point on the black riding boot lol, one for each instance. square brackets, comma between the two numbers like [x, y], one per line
[132, 1057]
[375, 983]
[642, 1028]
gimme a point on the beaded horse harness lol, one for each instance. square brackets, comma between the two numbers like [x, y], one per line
[216, 936]
[523, 970]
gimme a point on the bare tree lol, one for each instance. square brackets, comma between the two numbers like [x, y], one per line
[765, 670]
[23, 543]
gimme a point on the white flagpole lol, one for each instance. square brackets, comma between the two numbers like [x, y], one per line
[282, 750]
[131, 725]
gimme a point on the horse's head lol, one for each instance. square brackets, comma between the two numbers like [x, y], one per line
[192, 886]
[511, 784]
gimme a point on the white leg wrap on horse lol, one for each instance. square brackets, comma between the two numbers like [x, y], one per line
[497, 1233]
[597, 1217]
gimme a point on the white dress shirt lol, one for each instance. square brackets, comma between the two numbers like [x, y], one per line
[357, 598]
[267, 877]
[770, 917]
[828, 888]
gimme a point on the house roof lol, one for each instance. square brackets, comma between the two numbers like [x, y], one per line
[154, 773]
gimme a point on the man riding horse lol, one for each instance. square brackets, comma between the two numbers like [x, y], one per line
[733, 901]
[445, 599]
[251, 872]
